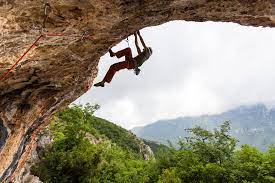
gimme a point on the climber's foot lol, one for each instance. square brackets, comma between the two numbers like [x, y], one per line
[137, 71]
[112, 54]
[101, 84]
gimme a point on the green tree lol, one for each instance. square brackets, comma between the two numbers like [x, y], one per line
[252, 165]
[90, 149]
[72, 157]
[204, 156]
[169, 176]
[213, 147]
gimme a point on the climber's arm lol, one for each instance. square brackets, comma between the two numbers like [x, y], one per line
[141, 40]
[136, 43]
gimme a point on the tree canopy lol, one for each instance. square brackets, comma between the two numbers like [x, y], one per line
[205, 156]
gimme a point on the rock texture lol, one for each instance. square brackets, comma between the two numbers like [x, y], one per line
[62, 68]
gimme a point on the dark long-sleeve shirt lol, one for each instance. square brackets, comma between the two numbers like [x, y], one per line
[143, 56]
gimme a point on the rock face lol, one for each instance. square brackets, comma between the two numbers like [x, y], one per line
[62, 66]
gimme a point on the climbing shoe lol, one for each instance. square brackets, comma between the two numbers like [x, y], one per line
[101, 84]
[112, 54]
[137, 71]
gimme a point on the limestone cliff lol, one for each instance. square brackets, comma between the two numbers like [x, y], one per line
[62, 66]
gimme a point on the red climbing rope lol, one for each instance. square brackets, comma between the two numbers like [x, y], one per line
[34, 44]
[20, 59]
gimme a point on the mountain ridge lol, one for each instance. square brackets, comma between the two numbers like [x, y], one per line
[252, 124]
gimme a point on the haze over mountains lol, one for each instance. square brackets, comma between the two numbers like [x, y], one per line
[254, 125]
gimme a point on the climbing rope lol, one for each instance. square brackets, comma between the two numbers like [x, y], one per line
[3, 76]
[21, 58]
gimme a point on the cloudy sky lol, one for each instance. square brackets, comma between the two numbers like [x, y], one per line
[196, 68]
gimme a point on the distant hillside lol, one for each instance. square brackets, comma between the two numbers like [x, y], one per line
[120, 136]
[124, 138]
[253, 125]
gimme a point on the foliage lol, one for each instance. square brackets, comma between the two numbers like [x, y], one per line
[73, 158]
[120, 136]
[205, 156]
[212, 157]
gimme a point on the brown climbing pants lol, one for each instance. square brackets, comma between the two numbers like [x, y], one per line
[129, 63]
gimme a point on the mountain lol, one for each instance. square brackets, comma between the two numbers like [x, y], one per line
[122, 137]
[254, 125]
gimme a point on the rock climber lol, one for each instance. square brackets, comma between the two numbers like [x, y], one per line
[130, 62]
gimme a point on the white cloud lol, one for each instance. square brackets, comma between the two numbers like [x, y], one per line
[196, 68]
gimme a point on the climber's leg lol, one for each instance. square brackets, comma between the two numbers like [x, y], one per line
[127, 52]
[113, 69]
